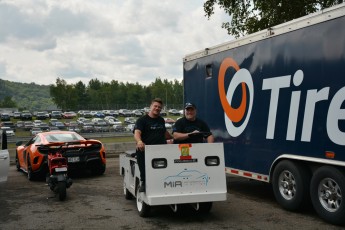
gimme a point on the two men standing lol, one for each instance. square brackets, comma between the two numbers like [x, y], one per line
[150, 130]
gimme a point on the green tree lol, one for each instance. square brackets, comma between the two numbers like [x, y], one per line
[57, 92]
[7, 102]
[82, 96]
[134, 94]
[158, 89]
[251, 16]
[94, 90]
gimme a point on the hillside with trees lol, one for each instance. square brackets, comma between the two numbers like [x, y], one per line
[25, 96]
[96, 95]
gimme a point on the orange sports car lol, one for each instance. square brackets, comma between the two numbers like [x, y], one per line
[81, 153]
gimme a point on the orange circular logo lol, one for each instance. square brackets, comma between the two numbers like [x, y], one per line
[243, 78]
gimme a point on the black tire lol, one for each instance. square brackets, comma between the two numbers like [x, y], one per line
[327, 192]
[62, 190]
[143, 208]
[127, 194]
[99, 169]
[30, 173]
[291, 182]
[205, 207]
[17, 162]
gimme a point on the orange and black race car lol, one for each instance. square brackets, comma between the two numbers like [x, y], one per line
[80, 153]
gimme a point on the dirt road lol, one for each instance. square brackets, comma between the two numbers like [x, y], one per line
[98, 203]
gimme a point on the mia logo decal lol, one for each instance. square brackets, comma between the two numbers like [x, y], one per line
[187, 178]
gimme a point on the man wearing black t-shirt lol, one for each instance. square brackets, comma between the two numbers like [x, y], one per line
[190, 124]
[149, 130]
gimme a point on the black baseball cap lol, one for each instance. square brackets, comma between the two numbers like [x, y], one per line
[189, 105]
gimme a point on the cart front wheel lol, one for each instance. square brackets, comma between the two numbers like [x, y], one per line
[143, 208]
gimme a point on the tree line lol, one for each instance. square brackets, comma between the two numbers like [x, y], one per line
[98, 95]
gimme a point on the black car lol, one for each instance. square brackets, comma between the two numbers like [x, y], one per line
[16, 115]
[9, 124]
[56, 114]
[5, 117]
[41, 116]
[44, 126]
[26, 115]
[118, 128]
[87, 128]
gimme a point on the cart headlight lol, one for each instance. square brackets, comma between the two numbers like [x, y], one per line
[212, 161]
[159, 163]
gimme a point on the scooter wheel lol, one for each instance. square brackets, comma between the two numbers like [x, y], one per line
[62, 190]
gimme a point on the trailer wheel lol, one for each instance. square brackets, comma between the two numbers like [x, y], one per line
[327, 191]
[143, 208]
[291, 185]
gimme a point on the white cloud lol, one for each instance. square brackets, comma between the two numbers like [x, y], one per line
[127, 41]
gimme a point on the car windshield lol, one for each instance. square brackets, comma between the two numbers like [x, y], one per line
[63, 137]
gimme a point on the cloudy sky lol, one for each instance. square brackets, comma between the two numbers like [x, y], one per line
[124, 40]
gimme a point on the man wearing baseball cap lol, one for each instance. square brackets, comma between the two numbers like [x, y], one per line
[187, 128]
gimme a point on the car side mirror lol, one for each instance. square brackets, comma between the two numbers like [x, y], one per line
[19, 143]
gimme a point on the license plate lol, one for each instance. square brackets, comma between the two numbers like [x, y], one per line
[64, 169]
[73, 159]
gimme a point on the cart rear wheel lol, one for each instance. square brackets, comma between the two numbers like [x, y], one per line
[126, 192]
[143, 208]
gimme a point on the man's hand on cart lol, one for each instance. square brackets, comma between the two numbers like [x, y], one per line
[140, 145]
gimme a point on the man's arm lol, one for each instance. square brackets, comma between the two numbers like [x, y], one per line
[182, 136]
[137, 137]
[169, 138]
[210, 139]
[168, 135]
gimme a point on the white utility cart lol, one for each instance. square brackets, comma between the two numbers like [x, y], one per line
[177, 174]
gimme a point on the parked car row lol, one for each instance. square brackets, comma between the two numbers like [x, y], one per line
[43, 115]
[82, 125]
[97, 122]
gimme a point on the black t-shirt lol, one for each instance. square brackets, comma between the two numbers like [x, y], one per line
[152, 130]
[183, 125]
